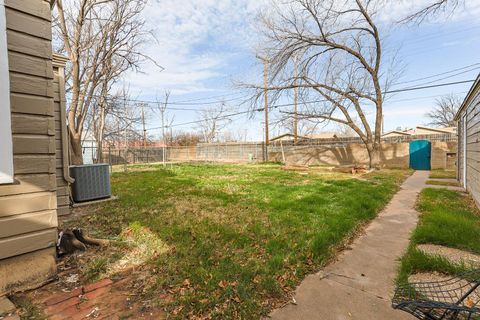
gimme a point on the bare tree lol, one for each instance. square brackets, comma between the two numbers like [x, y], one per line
[305, 126]
[341, 63]
[443, 114]
[433, 9]
[181, 138]
[212, 120]
[120, 124]
[161, 108]
[102, 39]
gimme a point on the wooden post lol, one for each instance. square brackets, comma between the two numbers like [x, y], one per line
[144, 130]
[265, 93]
[295, 102]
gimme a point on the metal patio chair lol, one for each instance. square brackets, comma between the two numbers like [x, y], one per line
[455, 298]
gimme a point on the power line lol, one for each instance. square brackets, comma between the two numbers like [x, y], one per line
[420, 98]
[430, 86]
[309, 102]
[448, 77]
[217, 118]
[437, 34]
[403, 82]
[291, 104]
[207, 103]
[440, 74]
[207, 98]
[181, 109]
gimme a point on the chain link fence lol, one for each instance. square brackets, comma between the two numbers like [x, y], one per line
[234, 152]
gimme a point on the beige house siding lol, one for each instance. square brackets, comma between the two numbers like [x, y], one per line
[472, 151]
[28, 207]
[461, 151]
[469, 142]
[61, 145]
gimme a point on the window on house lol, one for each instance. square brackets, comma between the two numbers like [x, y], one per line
[6, 149]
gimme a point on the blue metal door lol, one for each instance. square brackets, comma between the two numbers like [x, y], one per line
[420, 154]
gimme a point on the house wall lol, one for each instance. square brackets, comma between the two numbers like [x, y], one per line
[472, 149]
[28, 215]
[61, 142]
[461, 150]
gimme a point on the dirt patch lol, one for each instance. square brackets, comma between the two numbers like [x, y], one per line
[124, 264]
[104, 299]
[454, 255]
[73, 296]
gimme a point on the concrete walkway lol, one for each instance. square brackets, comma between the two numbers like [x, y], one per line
[451, 188]
[360, 284]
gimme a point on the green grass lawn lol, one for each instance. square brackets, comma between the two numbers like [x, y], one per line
[447, 218]
[239, 237]
[443, 174]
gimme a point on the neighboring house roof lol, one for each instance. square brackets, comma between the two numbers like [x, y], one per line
[427, 130]
[470, 95]
[321, 135]
[286, 136]
[396, 133]
[420, 130]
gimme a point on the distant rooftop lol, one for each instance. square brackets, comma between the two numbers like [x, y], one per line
[420, 130]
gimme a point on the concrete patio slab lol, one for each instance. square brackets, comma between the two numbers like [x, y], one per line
[446, 180]
[360, 284]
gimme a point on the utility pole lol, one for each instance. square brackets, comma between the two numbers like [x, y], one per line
[265, 93]
[295, 103]
[125, 136]
[162, 108]
[265, 83]
[162, 111]
[143, 124]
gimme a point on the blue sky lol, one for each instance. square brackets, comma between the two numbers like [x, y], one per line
[206, 45]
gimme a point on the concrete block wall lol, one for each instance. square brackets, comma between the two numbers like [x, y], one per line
[392, 155]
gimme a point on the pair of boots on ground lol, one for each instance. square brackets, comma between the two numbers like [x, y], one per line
[70, 241]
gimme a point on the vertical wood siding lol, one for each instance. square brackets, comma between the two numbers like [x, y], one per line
[472, 149]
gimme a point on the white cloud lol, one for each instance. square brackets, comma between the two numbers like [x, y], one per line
[396, 10]
[196, 41]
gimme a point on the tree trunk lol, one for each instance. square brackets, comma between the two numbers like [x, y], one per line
[99, 151]
[373, 156]
[76, 154]
[100, 134]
